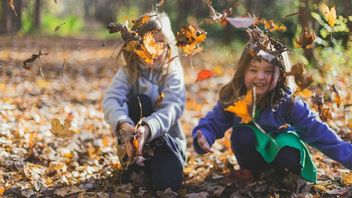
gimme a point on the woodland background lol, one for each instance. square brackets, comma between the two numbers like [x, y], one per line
[68, 82]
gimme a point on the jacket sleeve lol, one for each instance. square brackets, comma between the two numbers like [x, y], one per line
[319, 135]
[213, 126]
[171, 106]
[115, 100]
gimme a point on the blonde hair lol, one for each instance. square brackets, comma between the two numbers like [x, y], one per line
[157, 21]
[236, 87]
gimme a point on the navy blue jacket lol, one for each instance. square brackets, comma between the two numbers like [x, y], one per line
[295, 113]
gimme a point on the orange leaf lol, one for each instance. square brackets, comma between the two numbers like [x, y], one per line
[189, 38]
[306, 39]
[204, 74]
[241, 107]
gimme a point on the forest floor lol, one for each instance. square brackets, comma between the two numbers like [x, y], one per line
[70, 82]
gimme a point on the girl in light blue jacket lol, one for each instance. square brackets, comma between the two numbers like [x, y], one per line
[151, 92]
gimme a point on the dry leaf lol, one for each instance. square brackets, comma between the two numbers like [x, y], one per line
[241, 107]
[62, 130]
[204, 74]
[189, 38]
[329, 14]
[271, 26]
[306, 39]
[10, 3]
[241, 22]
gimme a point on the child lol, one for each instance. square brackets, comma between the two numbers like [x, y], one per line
[281, 122]
[151, 92]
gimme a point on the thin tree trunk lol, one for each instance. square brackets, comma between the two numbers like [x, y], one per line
[304, 20]
[4, 23]
[37, 5]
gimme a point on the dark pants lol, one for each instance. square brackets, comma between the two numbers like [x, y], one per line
[164, 169]
[244, 146]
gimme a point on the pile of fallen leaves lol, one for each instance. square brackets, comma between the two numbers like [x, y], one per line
[54, 141]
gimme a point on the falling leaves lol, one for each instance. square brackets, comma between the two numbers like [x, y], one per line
[241, 22]
[150, 49]
[10, 3]
[328, 13]
[302, 79]
[189, 38]
[271, 25]
[204, 74]
[216, 16]
[62, 130]
[32, 59]
[306, 39]
[241, 107]
[59, 26]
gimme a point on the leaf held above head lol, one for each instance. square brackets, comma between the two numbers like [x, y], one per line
[241, 107]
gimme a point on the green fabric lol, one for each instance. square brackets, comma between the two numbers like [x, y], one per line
[269, 147]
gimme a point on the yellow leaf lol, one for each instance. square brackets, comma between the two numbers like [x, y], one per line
[329, 14]
[347, 178]
[42, 83]
[241, 107]
[2, 190]
[218, 70]
[62, 130]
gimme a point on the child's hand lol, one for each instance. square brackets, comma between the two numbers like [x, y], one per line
[203, 143]
[126, 127]
[144, 132]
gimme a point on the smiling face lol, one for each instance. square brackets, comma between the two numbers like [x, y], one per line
[261, 74]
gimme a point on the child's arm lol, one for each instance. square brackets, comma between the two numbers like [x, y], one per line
[172, 105]
[319, 135]
[115, 101]
[212, 126]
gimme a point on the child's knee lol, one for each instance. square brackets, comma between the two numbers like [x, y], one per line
[288, 158]
[242, 137]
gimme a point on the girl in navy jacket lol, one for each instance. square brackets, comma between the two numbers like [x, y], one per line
[274, 137]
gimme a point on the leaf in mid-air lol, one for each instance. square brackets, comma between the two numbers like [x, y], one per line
[328, 13]
[241, 107]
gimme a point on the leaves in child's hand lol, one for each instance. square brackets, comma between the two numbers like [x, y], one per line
[62, 130]
[189, 38]
[241, 107]
[306, 39]
[329, 14]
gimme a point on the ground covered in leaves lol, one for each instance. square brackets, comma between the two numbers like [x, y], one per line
[69, 83]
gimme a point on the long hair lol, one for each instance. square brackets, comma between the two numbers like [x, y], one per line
[236, 87]
[157, 22]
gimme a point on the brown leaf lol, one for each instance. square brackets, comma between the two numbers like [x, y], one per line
[306, 39]
[189, 38]
[32, 59]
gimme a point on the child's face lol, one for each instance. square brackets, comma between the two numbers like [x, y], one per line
[260, 74]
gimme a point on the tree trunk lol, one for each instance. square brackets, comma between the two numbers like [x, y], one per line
[4, 23]
[348, 12]
[36, 17]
